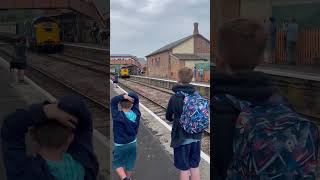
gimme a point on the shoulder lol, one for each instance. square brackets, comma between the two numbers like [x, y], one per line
[174, 97]
[220, 104]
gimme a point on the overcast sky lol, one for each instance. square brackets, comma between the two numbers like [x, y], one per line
[139, 27]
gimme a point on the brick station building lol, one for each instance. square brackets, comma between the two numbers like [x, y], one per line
[186, 52]
[119, 60]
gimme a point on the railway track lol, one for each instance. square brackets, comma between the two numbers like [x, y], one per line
[87, 60]
[91, 65]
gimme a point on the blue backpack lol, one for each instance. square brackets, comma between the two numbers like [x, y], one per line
[195, 114]
[271, 141]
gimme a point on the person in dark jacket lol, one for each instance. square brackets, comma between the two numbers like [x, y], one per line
[20, 60]
[125, 129]
[240, 48]
[63, 134]
[187, 147]
[116, 80]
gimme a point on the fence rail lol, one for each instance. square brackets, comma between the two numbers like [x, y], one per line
[307, 49]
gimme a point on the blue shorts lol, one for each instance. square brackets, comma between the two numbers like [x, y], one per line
[187, 156]
[125, 156]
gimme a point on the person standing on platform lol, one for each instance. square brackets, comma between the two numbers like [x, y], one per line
[116, 80]
[267, 51]
[63, 147]
[273, 39]
[19, 61]
[184, 108]
[285, 30]
[194, 73]
[125, 129]
[292, 37]
[201, 71]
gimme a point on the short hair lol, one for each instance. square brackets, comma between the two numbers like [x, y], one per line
[185, 75]
[241, 42]
[51, 134]
[126, 104]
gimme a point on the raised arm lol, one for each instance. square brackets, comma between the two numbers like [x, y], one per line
[136, 100]
[114, 104]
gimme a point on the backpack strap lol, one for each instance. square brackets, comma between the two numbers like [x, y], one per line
[186, 94]
[237, 103]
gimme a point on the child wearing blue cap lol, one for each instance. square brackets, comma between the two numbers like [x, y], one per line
[63, 134]
[125, 129]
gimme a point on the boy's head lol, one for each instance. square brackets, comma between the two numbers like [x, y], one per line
[125, 105]
[240, 45]
[52, 136]
[185, 75]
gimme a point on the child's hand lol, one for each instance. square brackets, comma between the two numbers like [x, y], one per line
[53, 112]
[128, 97]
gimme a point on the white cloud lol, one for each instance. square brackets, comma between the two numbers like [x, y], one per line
[143, 26]
[154, 7]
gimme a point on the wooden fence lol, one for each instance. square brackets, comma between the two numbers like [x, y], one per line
[308, 47]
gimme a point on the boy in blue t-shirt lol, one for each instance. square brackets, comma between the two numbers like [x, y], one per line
[125, 128]
[62, 133]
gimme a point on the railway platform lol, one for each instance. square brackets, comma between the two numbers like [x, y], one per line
[307, 72]
[155, 157]
[14, 96]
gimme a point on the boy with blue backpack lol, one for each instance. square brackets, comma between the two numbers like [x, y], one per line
[189, 113]
[256, 135]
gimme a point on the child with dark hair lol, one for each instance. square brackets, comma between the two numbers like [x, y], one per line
[115, 80]
[125, 129]
[19, 61]
[63, 135]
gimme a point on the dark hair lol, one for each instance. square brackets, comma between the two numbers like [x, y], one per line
[241, 43]
[51, 134]
[126, 104]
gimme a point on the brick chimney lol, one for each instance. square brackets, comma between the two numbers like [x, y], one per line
[195, 28]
